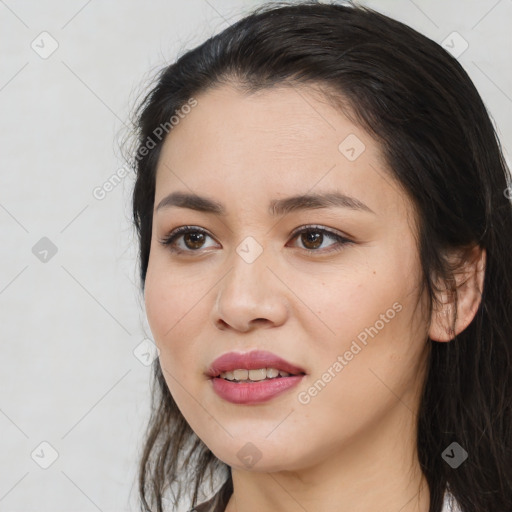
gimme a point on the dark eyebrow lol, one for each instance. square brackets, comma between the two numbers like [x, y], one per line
[314, 201]
[277, 206]
[191, 201]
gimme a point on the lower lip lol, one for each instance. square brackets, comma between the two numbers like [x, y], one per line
[253, 392]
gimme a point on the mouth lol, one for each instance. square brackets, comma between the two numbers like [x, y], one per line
[255, 366]
[252, 378]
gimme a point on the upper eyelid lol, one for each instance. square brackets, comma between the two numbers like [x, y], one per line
[319, 228]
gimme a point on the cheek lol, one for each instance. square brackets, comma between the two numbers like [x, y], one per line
[373, 306]
[174, 301]
[168, 302]
[170, 315]
[162, 307]
[348, 303]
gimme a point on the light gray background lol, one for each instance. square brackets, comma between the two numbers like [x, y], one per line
[70, 325]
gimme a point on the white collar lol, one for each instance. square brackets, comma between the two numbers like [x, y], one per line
[450, 503]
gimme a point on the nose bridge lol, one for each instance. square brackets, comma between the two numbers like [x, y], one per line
[250, 291]
[248, 268]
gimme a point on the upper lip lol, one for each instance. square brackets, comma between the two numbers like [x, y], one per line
[251, 361]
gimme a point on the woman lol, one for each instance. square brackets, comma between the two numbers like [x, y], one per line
[325, 237]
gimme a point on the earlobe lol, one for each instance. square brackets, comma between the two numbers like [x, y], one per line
[469, 287]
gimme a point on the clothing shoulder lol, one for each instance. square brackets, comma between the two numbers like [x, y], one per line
[450, 503]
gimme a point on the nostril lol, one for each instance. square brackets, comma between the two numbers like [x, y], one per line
[222, 325]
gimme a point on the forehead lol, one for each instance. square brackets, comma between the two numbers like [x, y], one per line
[284, 138]
[292, 121]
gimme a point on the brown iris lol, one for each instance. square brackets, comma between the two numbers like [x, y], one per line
[196, 240]
[313, 237]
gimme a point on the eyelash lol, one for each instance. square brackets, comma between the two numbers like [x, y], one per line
[169, 240]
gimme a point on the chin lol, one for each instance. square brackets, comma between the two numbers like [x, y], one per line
[259, 456]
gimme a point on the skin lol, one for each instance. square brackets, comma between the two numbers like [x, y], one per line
[353, 446]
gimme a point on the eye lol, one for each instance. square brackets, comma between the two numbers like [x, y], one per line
[193, 238]
[312, 237]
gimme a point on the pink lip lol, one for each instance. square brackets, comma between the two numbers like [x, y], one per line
[252, 392]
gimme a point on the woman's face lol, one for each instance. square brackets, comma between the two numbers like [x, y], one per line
[345, 314]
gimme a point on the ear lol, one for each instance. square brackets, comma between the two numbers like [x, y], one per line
[469, 279]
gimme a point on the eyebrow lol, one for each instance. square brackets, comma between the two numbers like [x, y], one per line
[276, 207]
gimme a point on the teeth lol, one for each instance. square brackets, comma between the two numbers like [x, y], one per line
[253, 375]
[241, 374]
[260, 374]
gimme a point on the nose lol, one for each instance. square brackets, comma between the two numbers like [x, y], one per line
[251, 295]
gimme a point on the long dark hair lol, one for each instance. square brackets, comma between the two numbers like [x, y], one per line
[441, 146]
